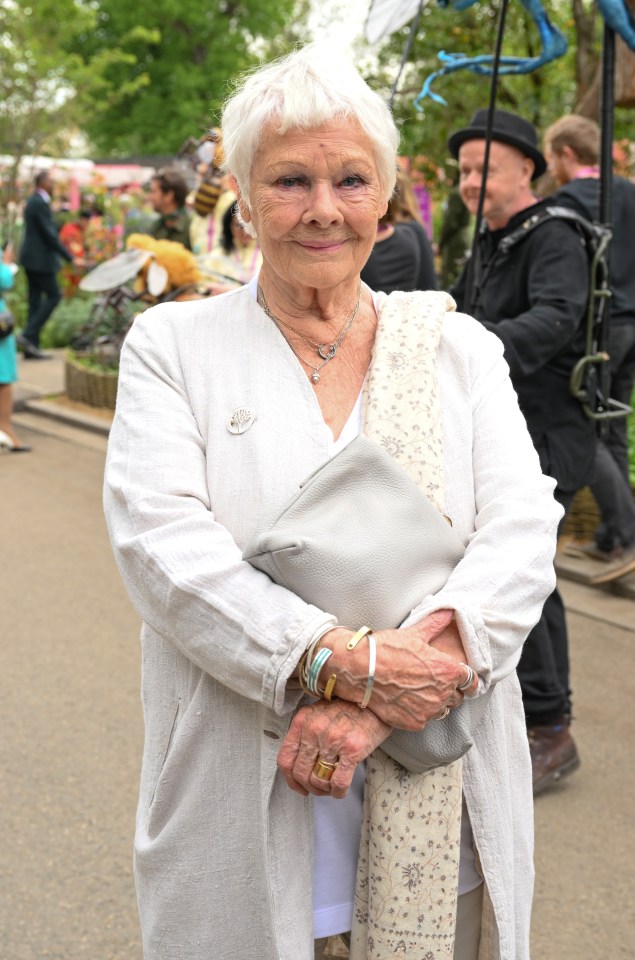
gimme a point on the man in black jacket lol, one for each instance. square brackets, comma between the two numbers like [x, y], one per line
[572, 149]
[41, 250]
[530, 289]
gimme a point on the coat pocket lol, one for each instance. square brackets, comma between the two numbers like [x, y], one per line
[164, 753]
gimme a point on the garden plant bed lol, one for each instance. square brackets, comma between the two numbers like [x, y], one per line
[88, 384]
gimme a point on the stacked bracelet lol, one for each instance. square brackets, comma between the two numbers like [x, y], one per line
[328, 689]
[372, 659]
[317, 663]
[311, 664]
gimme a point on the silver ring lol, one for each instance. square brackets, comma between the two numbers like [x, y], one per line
[470, 679]
[442, 715]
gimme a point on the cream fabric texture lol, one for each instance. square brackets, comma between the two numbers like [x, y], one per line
[222, 846]
[408, 868]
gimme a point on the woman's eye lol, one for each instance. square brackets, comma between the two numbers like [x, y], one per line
[352, 181]
[289, 181]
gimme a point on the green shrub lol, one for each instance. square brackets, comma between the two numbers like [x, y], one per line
[67, 317]
[88, 361]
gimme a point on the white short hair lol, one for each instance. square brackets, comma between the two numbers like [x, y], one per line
[305, 89]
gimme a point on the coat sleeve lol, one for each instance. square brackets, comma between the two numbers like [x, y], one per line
[43, 223]
[510, 527]
[557, 289]
[182, 569]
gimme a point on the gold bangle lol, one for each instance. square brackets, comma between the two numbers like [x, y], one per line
[328, 689]
[361, 633]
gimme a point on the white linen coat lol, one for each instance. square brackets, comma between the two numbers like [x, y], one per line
[223, 848]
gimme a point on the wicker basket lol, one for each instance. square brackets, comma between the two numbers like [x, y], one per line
[96, 388]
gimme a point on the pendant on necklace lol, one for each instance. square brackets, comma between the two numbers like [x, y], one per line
[327, 350]
[315, 377]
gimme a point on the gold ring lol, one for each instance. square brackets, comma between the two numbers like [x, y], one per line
[442, 715]
[324, 769]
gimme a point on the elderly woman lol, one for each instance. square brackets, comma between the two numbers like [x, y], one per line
[254, 818]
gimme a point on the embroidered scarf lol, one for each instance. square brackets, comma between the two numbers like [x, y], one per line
[407, 874]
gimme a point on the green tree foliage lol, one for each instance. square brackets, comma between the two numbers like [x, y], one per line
[180, 55]
[36, 81]
[39, 77]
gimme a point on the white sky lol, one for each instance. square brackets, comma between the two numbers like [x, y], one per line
[339, 21]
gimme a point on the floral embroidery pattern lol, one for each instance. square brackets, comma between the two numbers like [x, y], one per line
[407, 874]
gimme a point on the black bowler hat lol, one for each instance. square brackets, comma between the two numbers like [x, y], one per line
[506, 128]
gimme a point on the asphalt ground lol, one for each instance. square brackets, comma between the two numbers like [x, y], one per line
[72, 732]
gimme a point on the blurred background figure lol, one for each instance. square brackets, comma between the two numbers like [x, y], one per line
[213, 196]
[168, 192]
[454, 239]
[74, 236]
[402, 257]
[237, 255]
[8, 362]
[40, 257]
[572, 149]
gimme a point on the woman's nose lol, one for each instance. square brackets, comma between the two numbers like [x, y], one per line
[323, 207]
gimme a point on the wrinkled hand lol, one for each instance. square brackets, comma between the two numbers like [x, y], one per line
[335, 731]
[414, 681]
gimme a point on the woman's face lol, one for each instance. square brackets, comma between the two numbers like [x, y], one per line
[315, 202]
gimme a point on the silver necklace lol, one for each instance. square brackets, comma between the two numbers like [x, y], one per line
[326, 351]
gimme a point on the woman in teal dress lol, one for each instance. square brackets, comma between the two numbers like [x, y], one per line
[8, 364]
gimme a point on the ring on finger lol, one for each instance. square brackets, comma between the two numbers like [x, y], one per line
[469, 680]
[324, 769]
[442, 715]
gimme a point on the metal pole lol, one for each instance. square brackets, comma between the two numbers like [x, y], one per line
[606, 122]
[414, 26]
[607, 108]
[471, 267]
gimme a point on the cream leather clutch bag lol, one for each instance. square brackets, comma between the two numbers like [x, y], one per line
[362, 541]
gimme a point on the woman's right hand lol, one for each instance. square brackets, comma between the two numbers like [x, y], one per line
[414, 682]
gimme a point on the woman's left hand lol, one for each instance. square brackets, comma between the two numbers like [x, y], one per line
[337, 731]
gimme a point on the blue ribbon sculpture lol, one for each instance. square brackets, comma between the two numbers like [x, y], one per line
[615, 12]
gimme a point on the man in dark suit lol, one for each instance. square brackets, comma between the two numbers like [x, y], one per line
[40, 257]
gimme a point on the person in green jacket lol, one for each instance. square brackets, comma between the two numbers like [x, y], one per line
[168, 191]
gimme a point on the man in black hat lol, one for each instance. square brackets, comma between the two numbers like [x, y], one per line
[529, 287]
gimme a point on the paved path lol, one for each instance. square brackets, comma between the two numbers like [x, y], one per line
[71, 736]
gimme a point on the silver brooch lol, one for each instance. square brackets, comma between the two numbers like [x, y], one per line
[241, 420]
